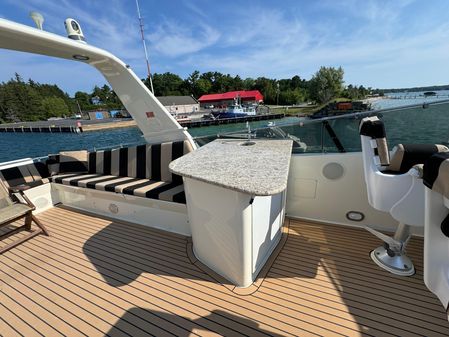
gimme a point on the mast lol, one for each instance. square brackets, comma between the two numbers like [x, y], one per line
[144, 45]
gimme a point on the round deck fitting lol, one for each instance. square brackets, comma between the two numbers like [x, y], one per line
[400, 264]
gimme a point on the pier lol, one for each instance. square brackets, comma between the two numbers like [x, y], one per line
[416, 96]
[66, 125]
[78, 126]
[209, 122]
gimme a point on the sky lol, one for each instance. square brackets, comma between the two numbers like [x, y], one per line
[379, 43]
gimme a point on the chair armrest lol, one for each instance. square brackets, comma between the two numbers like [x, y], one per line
[417, 171]
[20, 190]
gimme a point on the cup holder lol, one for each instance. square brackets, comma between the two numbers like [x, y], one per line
[247, 143]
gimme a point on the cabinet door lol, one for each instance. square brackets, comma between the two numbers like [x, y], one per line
[267, 220]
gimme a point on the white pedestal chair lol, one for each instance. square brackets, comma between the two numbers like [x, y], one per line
[436, 230]
[395, 187]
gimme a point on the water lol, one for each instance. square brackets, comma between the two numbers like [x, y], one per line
[409, 98]
[411, 125]
[16, 146]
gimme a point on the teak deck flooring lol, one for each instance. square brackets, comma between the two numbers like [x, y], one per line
[94, 277]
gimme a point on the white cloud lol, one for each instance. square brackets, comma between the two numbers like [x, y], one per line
[173, 38]
[368, 38]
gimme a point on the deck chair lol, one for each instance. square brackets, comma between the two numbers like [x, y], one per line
[15, 205]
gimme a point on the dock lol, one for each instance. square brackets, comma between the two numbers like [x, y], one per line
[67, 125]
[78, 126]
[209, 122]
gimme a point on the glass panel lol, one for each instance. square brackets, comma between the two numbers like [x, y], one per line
[427, 123]
[423, 123]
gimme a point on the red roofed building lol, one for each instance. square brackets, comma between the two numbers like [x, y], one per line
[246, 96]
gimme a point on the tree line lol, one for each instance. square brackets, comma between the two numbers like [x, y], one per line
[327, 83]
[30, 101]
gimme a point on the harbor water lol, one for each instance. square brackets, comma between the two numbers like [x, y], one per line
[401, 127]
[31, 145]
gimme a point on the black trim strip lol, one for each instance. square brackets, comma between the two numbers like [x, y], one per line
[156, 162]
[334, 137]
[92, 162]
[107, 162]
[141, 153]
[123, 162]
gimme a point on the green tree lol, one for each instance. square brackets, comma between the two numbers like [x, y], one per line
[54, 107]
[326, 84]
[248, 83]
[83, 99]
[168, 84]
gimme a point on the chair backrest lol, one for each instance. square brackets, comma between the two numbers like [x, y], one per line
[388, 186]
[374, 141]
[24, 174]
[143, 161]
[385, 191]
[5, 199]
[405, 156]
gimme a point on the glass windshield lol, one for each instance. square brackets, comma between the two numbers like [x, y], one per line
[423, 123]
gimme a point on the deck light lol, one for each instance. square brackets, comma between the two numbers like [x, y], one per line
[80, 57]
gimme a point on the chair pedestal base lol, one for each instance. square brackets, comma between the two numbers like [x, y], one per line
[399, 264]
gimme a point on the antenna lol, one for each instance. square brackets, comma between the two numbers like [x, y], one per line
[144, 45]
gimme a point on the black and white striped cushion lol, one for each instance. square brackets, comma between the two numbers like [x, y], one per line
[167, 191]
[143, 161]
[140, 170]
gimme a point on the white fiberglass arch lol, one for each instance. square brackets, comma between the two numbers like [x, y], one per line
[153, 119]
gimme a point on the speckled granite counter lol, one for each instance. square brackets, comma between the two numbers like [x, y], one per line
[259, 169]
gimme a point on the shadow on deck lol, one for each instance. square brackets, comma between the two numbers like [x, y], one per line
[97, 277]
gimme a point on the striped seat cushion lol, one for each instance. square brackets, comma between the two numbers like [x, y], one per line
[140, 170]
[167, 191]
[143, 161]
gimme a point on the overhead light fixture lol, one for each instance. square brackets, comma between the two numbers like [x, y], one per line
[38, 19]
[80, 57]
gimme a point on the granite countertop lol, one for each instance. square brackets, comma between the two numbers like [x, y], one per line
[259, 169]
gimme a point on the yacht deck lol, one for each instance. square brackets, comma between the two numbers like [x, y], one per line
[95, 277]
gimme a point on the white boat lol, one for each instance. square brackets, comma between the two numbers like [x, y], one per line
[236, 110]
[237, 237]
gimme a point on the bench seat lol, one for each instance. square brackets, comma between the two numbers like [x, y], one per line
[140, 170]
[162, 190]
